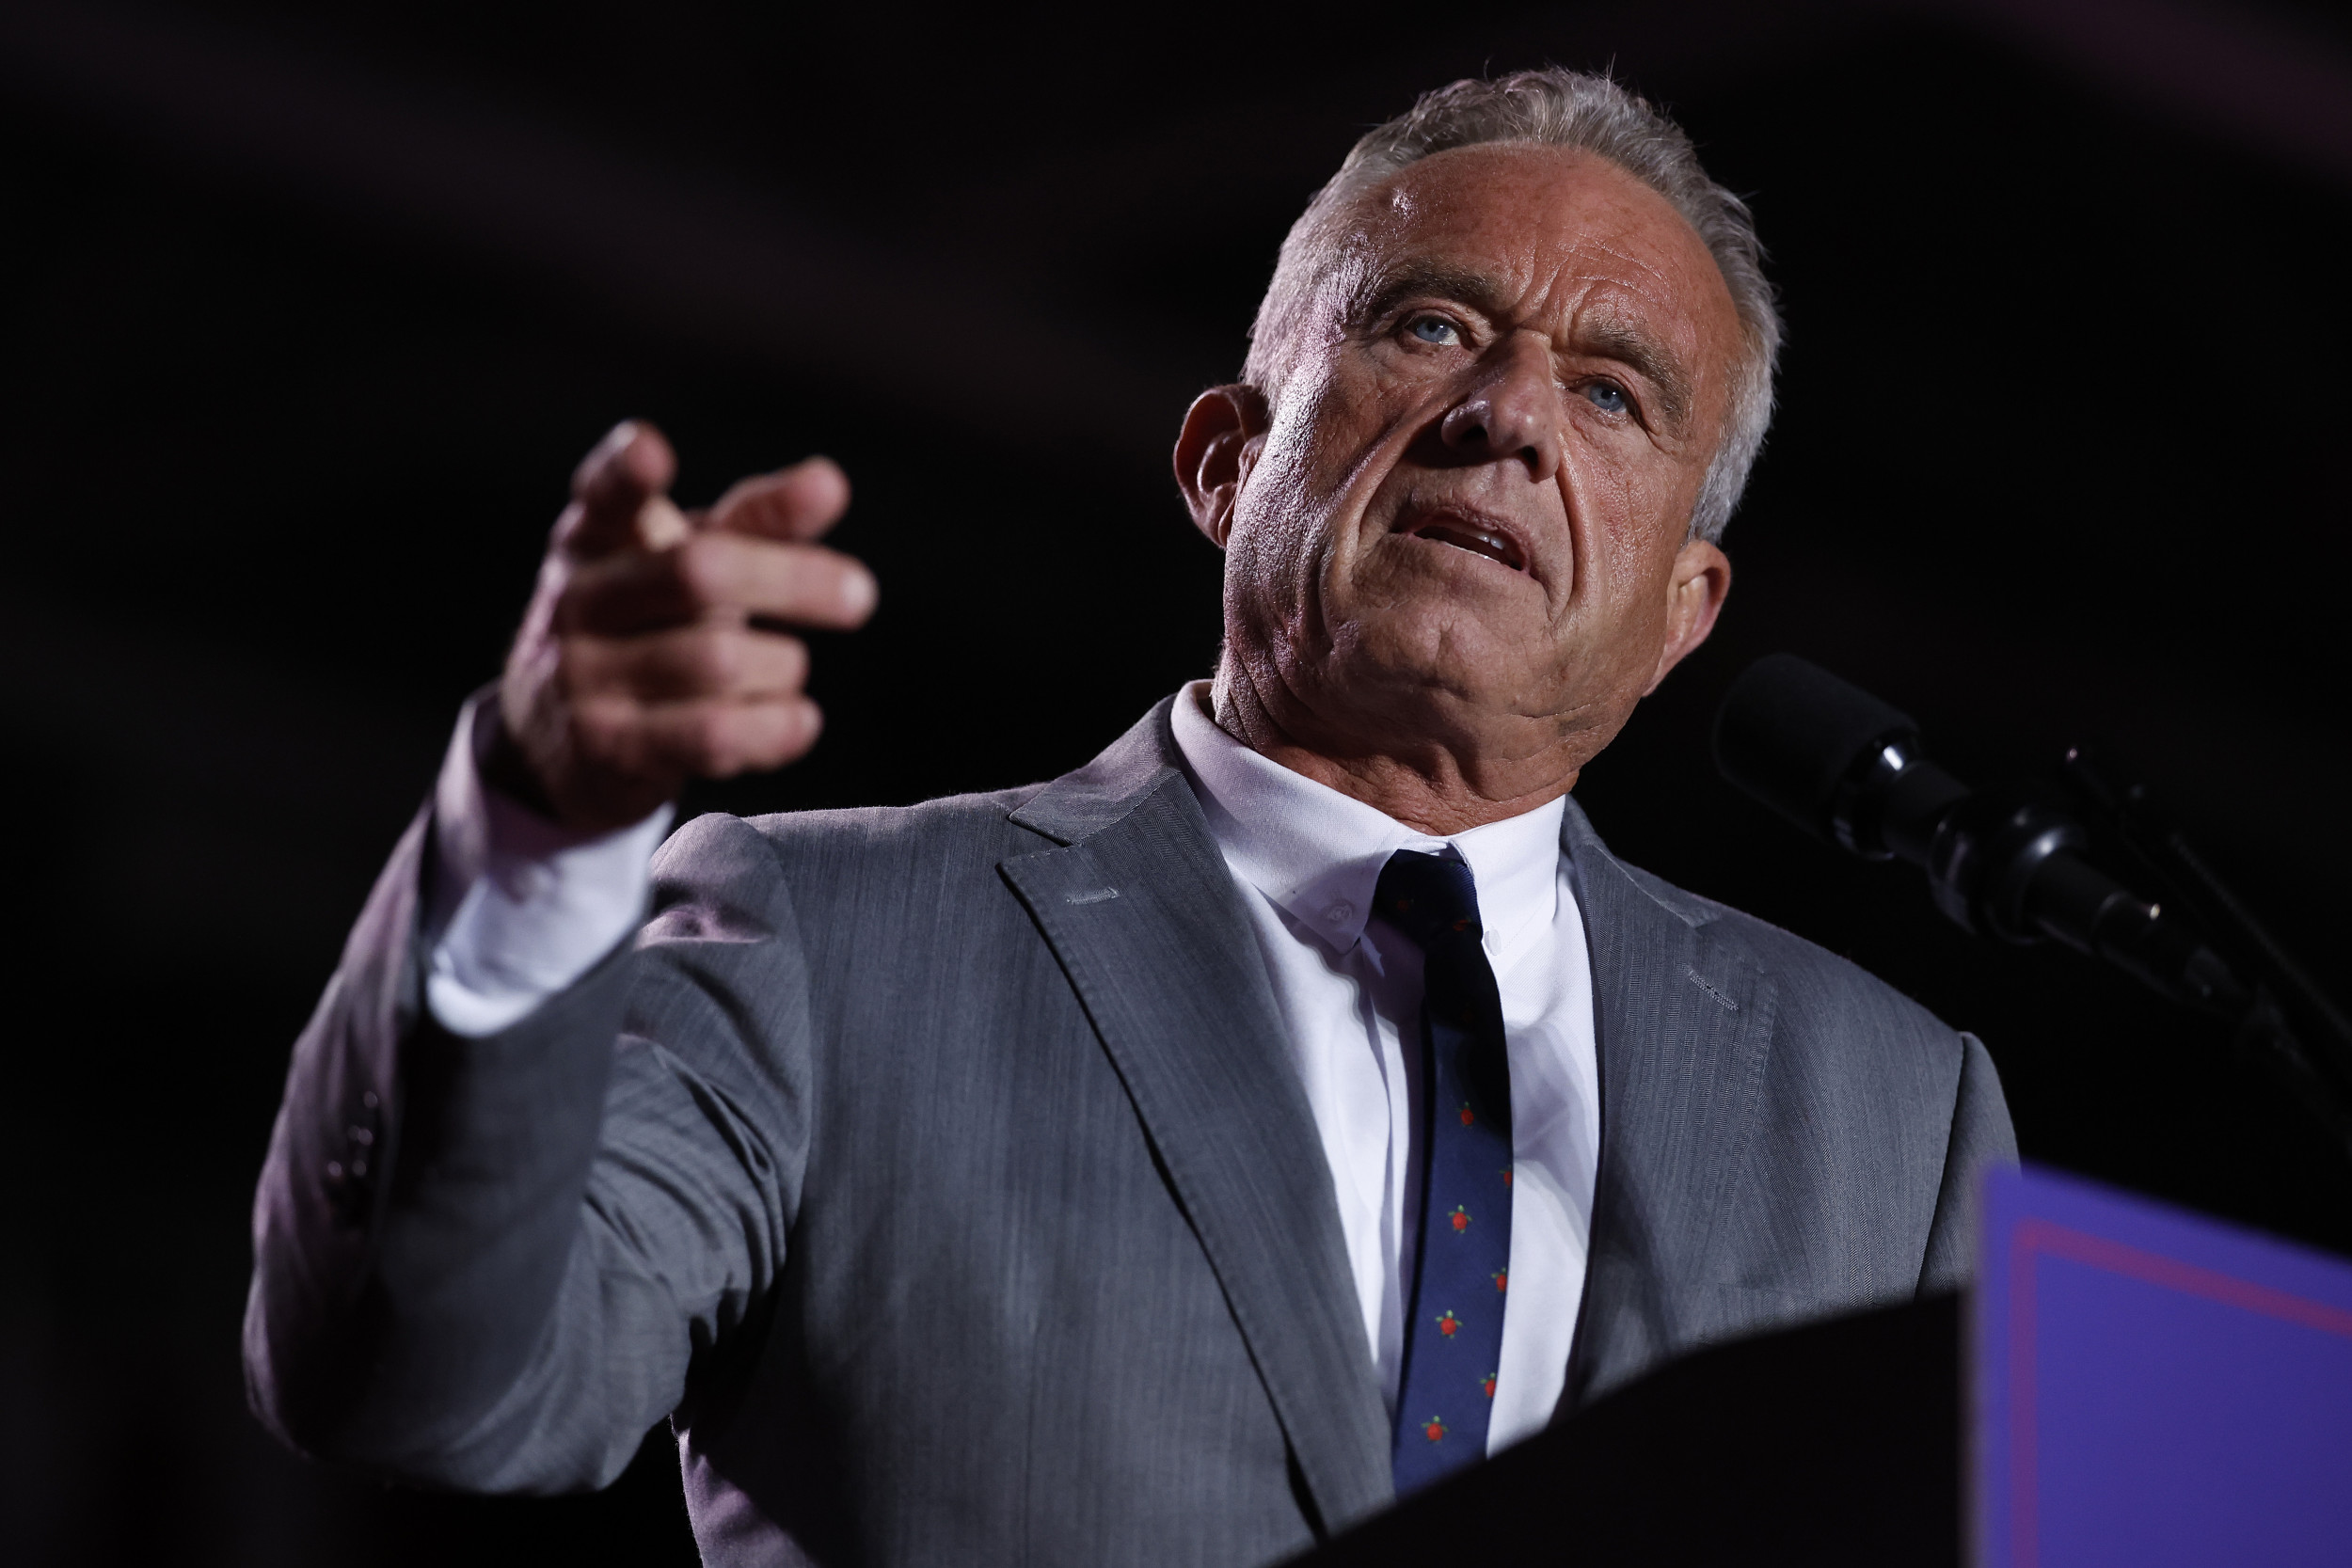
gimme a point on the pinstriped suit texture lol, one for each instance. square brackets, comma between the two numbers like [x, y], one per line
[941, 1174]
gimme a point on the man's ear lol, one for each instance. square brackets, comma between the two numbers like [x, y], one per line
[1695, 591]
[1224, 429]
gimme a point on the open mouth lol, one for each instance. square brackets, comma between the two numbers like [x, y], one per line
[1462, 535]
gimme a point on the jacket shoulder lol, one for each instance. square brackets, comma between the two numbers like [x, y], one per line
[970, 824]
[947, 821]
[1814, 982]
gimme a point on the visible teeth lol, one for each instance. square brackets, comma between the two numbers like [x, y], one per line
[1478, 541]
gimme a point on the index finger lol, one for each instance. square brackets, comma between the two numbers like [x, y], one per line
[729, 575]
[794, 504]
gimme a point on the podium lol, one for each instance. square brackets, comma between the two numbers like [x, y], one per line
[2154, 1388]
[2143, 1386]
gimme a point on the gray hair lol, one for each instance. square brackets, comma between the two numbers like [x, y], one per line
[1556, 108]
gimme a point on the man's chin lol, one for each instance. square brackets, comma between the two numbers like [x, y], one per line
[1458, 693]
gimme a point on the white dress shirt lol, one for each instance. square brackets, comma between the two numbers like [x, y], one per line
[520, 908]
[1306, 858]
[520, 911]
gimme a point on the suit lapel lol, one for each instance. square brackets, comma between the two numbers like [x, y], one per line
[1684, 1017]
[1141, 912]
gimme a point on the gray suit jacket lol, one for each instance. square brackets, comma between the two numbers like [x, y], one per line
[942, 1173]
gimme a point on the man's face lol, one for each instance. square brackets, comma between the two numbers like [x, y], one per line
[1465, 516]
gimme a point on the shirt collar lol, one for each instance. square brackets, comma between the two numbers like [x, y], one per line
[1316, 853]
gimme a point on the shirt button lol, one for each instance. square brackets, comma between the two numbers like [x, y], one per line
[1339, 914]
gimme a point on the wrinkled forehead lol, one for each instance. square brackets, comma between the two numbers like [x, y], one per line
[1551, 231]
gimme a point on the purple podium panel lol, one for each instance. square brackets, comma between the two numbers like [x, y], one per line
[2152, 1387]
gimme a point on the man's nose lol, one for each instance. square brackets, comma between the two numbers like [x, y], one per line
[1512, 411]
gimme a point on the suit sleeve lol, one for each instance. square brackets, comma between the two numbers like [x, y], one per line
[1982, 1137]
[486, 1263]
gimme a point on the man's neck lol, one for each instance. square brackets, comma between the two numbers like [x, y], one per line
[1430, 786]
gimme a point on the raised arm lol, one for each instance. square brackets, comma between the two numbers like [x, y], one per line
[513, 1182]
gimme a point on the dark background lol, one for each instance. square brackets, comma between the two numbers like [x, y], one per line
[309, 311]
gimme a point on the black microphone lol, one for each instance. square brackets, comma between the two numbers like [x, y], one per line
[2010, 863]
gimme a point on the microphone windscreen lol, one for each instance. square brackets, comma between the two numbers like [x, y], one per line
[1789, 733]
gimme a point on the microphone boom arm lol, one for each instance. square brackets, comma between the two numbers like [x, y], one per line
[2015, 864]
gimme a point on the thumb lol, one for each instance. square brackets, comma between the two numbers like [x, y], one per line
[631, 466]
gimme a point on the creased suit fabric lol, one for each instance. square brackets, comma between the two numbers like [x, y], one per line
[941, 1173]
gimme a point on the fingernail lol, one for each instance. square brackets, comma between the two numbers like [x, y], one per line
[859, 592]
[661, 524]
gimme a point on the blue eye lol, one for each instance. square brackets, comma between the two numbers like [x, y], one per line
[1607, 397]
[1435, 330]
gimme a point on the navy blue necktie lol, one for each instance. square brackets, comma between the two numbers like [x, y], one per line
[1454, 1321]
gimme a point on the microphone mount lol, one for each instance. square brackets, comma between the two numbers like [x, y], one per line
[2018, 863]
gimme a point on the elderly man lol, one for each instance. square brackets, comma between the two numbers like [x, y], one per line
[1175, 1161]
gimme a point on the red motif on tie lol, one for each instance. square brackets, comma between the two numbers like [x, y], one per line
[1502, 1277]
[1465, 1124]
